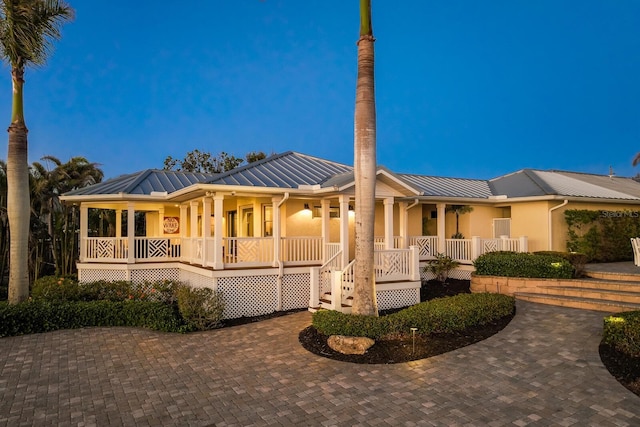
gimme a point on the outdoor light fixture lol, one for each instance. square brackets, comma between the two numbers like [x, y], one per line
[350, 207]
[306, 206]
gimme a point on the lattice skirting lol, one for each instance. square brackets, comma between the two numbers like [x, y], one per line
[397, 298]
[461, 273]
[244, 295]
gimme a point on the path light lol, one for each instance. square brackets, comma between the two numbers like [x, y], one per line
[413, 334]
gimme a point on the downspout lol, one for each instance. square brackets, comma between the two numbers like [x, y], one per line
[549, 225]
[276, 254]
[415, 202]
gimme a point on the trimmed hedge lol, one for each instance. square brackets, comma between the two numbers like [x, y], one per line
[519, 264]
[43, 316]
[441, 315]
[622, 332]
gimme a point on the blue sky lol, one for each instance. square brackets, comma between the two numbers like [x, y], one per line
[464, 88]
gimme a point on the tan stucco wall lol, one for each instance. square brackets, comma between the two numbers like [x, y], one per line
[479, 222]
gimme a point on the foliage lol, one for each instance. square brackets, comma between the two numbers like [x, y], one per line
[622, 332]
[202, 308]
[517, 264]
[441, 266]
[205, 162]
[458, 210]
[603, 236]
[42, 316]
[441, 315]
[577, 260]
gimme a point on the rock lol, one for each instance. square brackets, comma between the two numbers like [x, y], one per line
[350, 345]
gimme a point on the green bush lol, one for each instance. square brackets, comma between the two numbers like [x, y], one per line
[622, 332]
[442, 315]
[200, 307]
[55, 289]
[576, 259]
[516, 264]
[42, 316]
[441, 266]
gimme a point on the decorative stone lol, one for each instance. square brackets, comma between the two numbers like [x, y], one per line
[350, 345]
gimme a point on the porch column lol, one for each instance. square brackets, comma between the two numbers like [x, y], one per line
[131, 233]
[118, 223]
[326, 231]
[218, 232]
[84, 231]
[194, 231]
[344, 229]
[183, 233]
[206, 228]
[442, 246]
[403, 224]
[277, 230]
[161, 222]
[388, 223]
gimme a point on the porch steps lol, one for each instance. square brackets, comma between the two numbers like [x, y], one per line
[326, 299]
[615, 293]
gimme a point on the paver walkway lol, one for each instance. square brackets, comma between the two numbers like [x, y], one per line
[543, 369]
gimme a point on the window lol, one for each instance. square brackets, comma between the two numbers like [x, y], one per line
[267, 220]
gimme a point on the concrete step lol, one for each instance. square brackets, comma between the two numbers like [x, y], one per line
[578, 302]
[590, 293]
[618, 276]
[590, 283]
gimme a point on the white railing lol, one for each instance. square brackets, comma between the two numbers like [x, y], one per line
[301, 250]
[248, 251]
[331, 249]
[156, 248]
[112, 249]
[427, 246]
[379, 243]
[500, 244]
[391, 265]
[321, 278]
[459, 249]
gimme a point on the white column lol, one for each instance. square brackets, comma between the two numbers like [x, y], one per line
[206, 228]
[183, 233]
[194, 232]
[403, 224]
[218, 232]
[388, 223]
[84, 231]
[441, 228]
[344, 229]
[161, 222]
[118, 222]
[326, 230]
[277, 230]
[131, 232]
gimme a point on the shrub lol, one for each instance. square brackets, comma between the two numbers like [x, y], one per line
[42, 316]
[442, 315]
[55, 289]
[622, 332]
[200, 307]
[576, 259]
[441, 266]
[512, 264]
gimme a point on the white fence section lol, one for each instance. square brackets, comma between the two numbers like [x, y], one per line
[330, 250]
[113, 249]
[427, 246]
[156, 248]
[248, 251]
[459, 249]
[301, 250]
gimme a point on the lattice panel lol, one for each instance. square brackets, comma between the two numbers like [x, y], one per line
[295, 291]
[424, 247]
[460, 274]
[397, 298]
[91, 275]
[490, 245]
[155, 275]
[157, 248]
[105, 249]
[248, 295]
[196, 280]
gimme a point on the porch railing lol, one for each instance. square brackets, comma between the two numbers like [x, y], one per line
[111, 249]
[301, 250]
[427, 246]
[156, 248]
[248, 251]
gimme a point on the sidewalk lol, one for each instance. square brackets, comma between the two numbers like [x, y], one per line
[543, 369]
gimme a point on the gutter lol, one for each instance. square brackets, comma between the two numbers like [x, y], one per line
[279, 262]
[549, 245]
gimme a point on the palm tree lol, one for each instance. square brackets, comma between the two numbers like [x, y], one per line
[459, 210]
[27, 29]
[364, 292]
[636, 160]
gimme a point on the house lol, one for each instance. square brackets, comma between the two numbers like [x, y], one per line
[278, 234]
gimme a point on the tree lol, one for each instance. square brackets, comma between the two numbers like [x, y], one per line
[204, 162]
[364, 292]
[636, 160]
[27, 30]
[458, 210]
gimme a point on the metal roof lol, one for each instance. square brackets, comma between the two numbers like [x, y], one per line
[144, 182]
[448, 187]
[530, 183]
[286, 170]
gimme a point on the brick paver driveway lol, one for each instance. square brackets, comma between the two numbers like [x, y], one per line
[543, 369]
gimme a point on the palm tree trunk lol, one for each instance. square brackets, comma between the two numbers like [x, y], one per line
[364, 298]
[18, 204]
